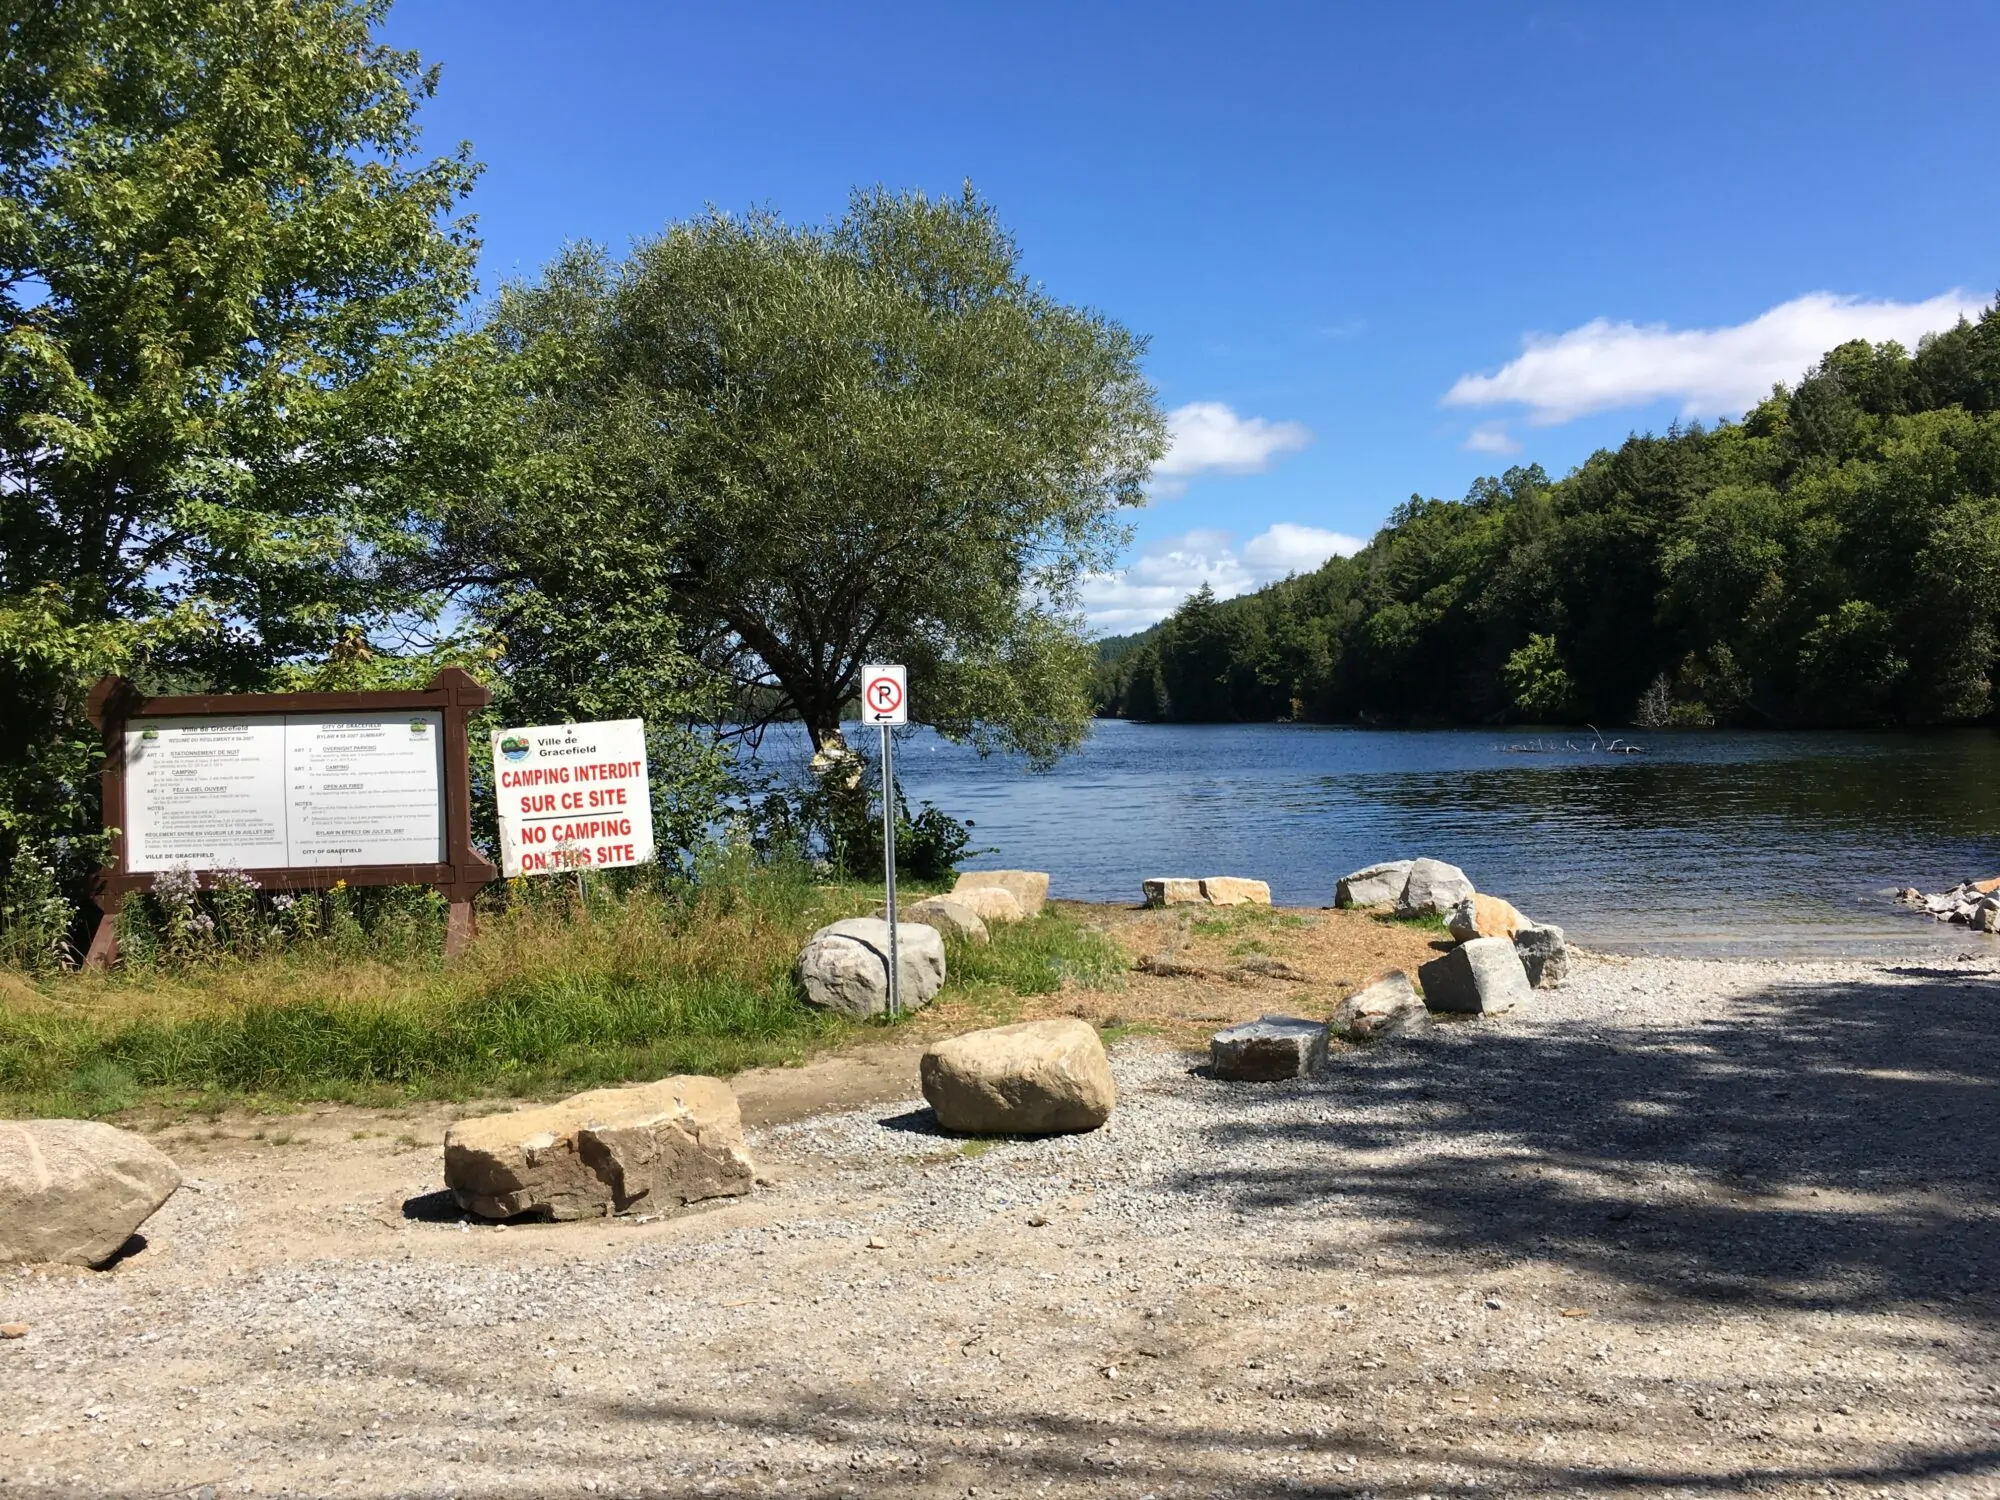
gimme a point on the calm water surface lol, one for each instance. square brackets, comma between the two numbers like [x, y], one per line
[1710, 841]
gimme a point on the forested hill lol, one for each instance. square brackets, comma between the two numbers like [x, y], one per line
[1832, 559]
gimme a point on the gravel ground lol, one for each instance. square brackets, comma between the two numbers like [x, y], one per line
[1685, 1228]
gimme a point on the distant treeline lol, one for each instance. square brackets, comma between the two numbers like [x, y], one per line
[1832, 559]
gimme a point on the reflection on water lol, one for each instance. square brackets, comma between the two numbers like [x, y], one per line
[1711, 841]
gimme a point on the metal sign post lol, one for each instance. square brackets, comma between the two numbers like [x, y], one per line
[885, 701]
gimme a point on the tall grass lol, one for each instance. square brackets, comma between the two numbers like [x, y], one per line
[557, 993]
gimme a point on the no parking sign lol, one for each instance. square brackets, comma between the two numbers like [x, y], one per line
[885, 695]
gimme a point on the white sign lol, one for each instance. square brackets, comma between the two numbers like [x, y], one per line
[572, 797]
[270, 791]
[885, 695]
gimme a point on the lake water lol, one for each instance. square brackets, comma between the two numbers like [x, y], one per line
[1708, 842]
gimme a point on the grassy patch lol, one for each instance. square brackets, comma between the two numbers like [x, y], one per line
[1424, 922]
[553, 997]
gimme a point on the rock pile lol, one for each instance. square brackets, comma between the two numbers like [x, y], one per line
[1972, 903]
[1430, 887]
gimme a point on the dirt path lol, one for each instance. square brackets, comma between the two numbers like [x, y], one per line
[1685, 1229]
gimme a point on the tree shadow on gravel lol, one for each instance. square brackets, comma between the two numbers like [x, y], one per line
[1827, 1146]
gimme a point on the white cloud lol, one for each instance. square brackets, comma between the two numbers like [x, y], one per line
[1208, 437]
[1491, 437]
[1710, 371]
[1167, 571]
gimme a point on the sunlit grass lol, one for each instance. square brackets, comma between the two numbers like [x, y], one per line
[553, 996]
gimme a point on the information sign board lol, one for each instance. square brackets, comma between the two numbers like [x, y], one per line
[885, 695]
[296, 790]
[572, 797]
[260, 792]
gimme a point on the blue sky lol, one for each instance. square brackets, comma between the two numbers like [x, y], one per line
[1377, 249]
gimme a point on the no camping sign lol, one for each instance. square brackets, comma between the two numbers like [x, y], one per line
[572, 797]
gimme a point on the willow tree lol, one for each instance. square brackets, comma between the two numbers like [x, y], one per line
[227, 279]
[778, 452]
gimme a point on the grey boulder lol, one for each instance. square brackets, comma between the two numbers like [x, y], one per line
[74, 1191]
[1378, 885]
[1481, 978]
[1269, 1048]
[846, 966]
[1389, 1007]
[1432, 889]
[1544, 954]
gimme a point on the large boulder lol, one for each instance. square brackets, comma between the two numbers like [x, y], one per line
[1432, 889]
[992, 904]
[1029, 887]
[950, 917]
[1172, 890]
[74, 1191]
[1389, 1007]
[1479, 916]
[1544, 954]
[655, 1145]
[1479, 978]
[1268, 1048]
[1378, 885]
[1034, 1078]
[846, 966]
[1233, 890]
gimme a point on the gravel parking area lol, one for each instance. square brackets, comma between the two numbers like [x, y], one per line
[1685, 1228]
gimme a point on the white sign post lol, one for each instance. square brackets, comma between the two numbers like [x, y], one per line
[572, 797]
[885, 701]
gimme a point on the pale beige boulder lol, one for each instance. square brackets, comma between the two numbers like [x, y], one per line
[1480, 915]
[1034, 1078]
[654, 1146]
[1172, 890]
[74, 1191]
[1028, 887]
[1232, 890]
[950, 917]
[992, 904]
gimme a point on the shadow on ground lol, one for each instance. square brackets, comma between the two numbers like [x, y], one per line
[1827, 1146]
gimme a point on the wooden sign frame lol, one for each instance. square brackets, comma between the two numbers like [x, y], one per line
[454, 693]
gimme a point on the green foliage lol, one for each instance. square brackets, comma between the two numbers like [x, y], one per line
[35, 917]
[759, 455]
[1834, 558]
[1038, 957]
[229, 388]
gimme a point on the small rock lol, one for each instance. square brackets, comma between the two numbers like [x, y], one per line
[1232, 890]
[1482, 977]
[1480, 915]
[1432, 889]
[1378, 885]
[951, 917]
[1029, 887]
[74, 1191]
[1032, 1078]
[13, 1330]
[1494, 1304]
[876, 1242]
[660, 1144]
[1269, 1048]
[1544, 955]
[1171, 890]
[1389, 1007]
